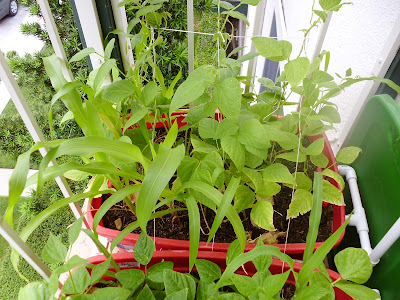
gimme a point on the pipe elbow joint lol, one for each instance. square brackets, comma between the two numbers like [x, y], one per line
[347, 171]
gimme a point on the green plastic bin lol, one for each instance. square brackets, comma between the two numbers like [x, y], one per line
[377, 133]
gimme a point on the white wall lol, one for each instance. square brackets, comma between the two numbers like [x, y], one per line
[357, 37]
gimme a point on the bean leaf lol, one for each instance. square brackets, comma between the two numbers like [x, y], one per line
[354, 264]
[348, 155]
[144, 249]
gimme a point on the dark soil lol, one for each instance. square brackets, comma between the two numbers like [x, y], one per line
[177, 226]
[287, 291]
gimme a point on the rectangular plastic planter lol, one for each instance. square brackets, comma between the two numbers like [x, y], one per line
[181, 263]
[295, 250]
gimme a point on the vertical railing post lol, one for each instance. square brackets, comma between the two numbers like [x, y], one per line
[30, 122]
[55, 37]
[121, 23]
[190, 28]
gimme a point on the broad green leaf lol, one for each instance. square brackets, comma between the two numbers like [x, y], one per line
[78, 282]
[226, 127]
[149, 93]
[244, 197]
[321, 281]
[332, 174]
[293, 156]
[54, 251]
[223, 4]
[182, 294]
[82, 54]
[323, 15]
[74, 230]
[237, 15]
[264, 110]
[147, 10]
[319, 160]
[208, 128]
[227, 94]
[131, 279]
[136, 117]
[156, 272]
[175, 282]
[296, 70]
[118, 91]
[268, 189]
[241, 259]
[303, 182]
[278, 173]
[274, 283]
[235, 150]
[208, 271]
[99, 270]
[314, 293]
[301, 203]
[200, 146]
[251, 2]
[358, 292]
[329, 114]
[272, 49]
[328, 4]
[331, 194]
[354, 264]
[262, 215]
[224, 206]
[144, 249]
[205, 290]
[35, 291]
[115, 293]
[158, 175]
[316, 147]
[251, 133]
[244, 284]
[319, 76]
[193, 87]
[186, 168]
[102, 73]
[262, 263]
[194, 229]
[286, 140]
[315, 217]
[348, 155]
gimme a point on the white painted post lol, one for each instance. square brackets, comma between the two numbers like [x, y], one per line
[87, 13]
[255, 15]
[30, 122]
[55, 38]
[18, 244]
[190, 28]
[121, 23]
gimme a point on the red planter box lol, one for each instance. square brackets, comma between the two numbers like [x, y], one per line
[181, 262]
[295, 250]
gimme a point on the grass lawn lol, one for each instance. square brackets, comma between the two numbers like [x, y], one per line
[25, 210]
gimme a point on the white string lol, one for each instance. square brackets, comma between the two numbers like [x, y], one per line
[236, 36]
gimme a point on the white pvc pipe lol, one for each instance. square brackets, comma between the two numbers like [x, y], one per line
[358, 219]
[386, 242]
